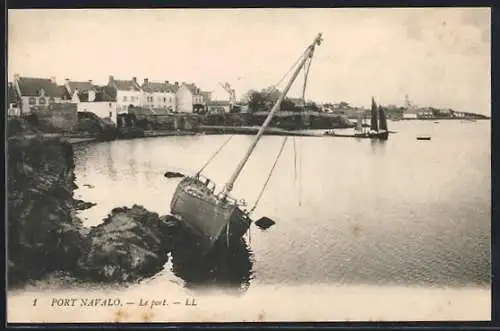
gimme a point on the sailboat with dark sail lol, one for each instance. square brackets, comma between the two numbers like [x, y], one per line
[378, 123]
[216, 216]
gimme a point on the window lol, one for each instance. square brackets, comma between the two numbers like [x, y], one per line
[41, 100]
[51, 100]
[132, 99]
[125, 98]
[110, 114]
[110, 105]
[164, 99]
[32, 101]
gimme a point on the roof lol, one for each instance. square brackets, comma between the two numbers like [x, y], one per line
[126, 85]
[158, 87]
[63, 92]
[105, 93]
[31, 87]
[11, 93]
[80, 86]
[192, 88]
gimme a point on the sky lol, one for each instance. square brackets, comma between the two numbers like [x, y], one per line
[438, 56]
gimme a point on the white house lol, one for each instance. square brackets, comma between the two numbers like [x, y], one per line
[159, 95]
[189, 98]
[34, 92]
[128, 93]
[91, 98]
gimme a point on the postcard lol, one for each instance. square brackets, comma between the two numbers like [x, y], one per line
[243, 165]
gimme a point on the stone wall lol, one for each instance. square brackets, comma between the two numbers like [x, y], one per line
[57, 117]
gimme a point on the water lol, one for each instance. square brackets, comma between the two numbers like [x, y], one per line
[366, 231]
[354, 212]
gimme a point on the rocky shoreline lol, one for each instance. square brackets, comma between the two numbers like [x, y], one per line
[46, 236]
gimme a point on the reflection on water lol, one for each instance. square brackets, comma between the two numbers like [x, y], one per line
[228, 268]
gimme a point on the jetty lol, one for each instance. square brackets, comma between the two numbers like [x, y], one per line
[252, 130]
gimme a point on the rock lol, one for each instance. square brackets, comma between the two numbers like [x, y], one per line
[44, 235]
[173, 174]
[130, 244]
[82, 205]
[264, 223]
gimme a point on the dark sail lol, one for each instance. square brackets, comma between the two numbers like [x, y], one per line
[382, 119]
[374, 117]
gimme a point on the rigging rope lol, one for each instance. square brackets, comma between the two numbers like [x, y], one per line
[294, 160]
[269, 175]
[289, 70]
[225, 143]
[214, 155]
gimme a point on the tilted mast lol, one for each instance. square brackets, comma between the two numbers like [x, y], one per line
[309, 52]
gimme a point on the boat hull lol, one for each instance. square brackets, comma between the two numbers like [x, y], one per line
[209, 217]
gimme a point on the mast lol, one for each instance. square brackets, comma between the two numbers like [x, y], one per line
[359, 124]
[309, 52]
[374, 118]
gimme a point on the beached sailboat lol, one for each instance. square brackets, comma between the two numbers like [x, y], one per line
[213, 215]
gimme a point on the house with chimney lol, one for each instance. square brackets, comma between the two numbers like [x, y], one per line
[159, 96]
[37, 92]
[189, 99]
[91, 98]
[127, 93]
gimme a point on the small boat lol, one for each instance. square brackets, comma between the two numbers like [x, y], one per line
[329, 133]
[215, 216]
[423, 138]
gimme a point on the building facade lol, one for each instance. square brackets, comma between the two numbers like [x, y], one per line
[127, 93]
[37, 92]
[159, 95]
[189, 99]
[91, 98]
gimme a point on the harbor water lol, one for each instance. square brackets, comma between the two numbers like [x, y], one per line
[350, 214]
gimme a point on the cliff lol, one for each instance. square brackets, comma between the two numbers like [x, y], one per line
[45, 236]
[43, 233]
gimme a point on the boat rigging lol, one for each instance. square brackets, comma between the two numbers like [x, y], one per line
[213, 215]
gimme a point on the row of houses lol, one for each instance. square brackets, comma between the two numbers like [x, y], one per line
[116, 97]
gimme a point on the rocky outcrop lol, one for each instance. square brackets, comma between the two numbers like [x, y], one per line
[47, 239]
[44, 234]
[130, 244]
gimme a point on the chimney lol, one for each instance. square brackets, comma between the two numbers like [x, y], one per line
[91, 82]
[53, 80]
[146, 82]
[167, 82]
[176, 84]
[111, 80]
[134, 79]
